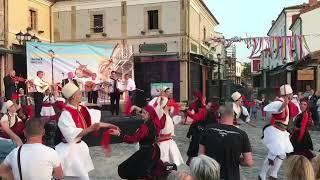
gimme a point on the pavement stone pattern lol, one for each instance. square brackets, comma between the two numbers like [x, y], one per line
[106, 168]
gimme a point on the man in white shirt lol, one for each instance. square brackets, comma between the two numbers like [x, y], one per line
[94, 86]
[37, 161]
[131, 87]
[41, 87]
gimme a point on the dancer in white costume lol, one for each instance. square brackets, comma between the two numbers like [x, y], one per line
[275, 136]
[168, 147]
[74, 123]
[240, 112]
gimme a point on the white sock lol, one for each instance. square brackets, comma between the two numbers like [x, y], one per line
[265, 169]
[275, 168]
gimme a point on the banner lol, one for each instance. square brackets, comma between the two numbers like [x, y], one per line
[156, 88]
[82, 59]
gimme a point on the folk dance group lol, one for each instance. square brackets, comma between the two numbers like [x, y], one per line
[157, 148]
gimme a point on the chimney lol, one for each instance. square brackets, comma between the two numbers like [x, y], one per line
[313, 2]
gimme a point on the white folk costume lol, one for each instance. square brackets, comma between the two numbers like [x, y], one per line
[275, 136]
[240, 112]
[74, 153]
[47, 106]
[168, 147]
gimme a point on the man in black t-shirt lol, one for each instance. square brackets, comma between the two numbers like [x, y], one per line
[227, 144]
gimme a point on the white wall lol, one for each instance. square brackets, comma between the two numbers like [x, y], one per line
[310, 25]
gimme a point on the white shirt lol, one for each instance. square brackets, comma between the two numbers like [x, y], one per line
[39, 82]
[237, 110]
[47, 99]
[111, 85]
[274, 108]
[131, 85]
[5, 118]
[37, 162]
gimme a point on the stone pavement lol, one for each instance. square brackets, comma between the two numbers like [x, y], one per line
[106, 168]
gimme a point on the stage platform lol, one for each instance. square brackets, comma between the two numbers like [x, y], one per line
[128, 125]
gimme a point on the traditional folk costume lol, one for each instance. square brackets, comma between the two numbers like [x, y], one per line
[143, 162]
[275, 136]
[300, 137]
[15, 124]
[74, 153]
[169, 150]
[47, 106]
[240, 112]
[14, 121]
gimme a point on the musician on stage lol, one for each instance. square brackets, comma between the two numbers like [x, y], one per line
[70, 79]
[131, 86]
[10, 85]
[41, 87]
[93, 85]
[114, 93]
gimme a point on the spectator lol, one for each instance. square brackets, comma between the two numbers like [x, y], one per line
[298, 167]
[316, 166]
[205, 168]
[309, 91]
[314, 106]
[318, 107]
[227, 144]
[37, 161]
[177, 175]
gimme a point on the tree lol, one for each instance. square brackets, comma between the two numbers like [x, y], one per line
[246, 73]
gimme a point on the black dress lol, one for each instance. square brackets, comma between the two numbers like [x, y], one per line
[305, 145]
[141, 163]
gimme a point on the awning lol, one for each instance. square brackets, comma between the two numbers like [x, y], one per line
[4, 50]
[158, 54]
[202, 60]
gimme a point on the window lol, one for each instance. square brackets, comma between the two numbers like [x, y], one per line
[97, 23]
[33, 19]
[153, 19]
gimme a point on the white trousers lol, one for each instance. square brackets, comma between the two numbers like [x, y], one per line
[272, 169]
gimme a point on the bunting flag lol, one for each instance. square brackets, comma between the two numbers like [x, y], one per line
[275, 47]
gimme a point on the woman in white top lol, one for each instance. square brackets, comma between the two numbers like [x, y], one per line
[47, 108]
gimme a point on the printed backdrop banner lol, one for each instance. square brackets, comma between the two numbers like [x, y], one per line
[81, 59]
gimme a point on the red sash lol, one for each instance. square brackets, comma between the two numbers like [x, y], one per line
[81, 118]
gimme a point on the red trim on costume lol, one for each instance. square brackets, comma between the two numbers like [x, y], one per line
[175, 105]
[141, 133]
[292, 111]
[83, 121]
[200, 116]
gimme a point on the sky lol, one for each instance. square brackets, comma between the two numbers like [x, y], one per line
[247, 18]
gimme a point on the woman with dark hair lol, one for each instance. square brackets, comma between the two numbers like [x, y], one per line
[300, 137]
[143, 162]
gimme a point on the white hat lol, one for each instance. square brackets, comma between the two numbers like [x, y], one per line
[285, 90]
[69, 89]
[236, 96]
[6, 105]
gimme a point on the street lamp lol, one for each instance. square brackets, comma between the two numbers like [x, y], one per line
[219, 76]
[27, 36]
[20, 37]
[34, 39]
[23, 38]
[51, 54]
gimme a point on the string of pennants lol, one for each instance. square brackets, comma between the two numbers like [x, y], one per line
[273, 46]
